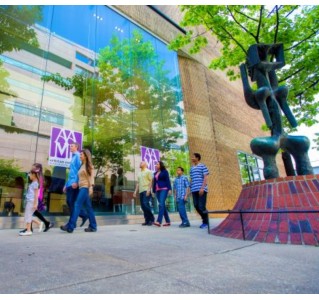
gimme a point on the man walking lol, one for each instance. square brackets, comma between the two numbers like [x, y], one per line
[71, 187]
[198, 175]
[181, 192]
[143, 186]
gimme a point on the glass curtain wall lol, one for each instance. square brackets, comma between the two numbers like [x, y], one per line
[89, 70]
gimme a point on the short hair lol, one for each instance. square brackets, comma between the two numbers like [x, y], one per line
[197, 155]
[77, 145]
[182, 169]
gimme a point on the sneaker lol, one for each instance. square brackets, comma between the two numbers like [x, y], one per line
[24, 230]
[25, 233]
[167, 224]
[89, 229]
[184, 225]
[41, 227]
[47, 227]
[157, 224]
[65, 228]
[203, 226]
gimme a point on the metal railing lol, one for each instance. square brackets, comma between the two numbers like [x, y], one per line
[241, 212]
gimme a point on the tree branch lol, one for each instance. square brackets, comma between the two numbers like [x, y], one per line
[259, 22]
[309, 87]
[313, 84]
[295, 7]
[241, 26]
[277, 24]
[248, 17]
[229, 35]
[194, 37]
[289, 76]
[307, 38]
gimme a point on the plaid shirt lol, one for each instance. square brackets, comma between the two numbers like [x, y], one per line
[180, 186]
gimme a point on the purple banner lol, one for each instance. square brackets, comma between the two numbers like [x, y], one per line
[150, 156]
[60, 154]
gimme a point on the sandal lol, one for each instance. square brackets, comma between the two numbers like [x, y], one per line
[167, 224]
[157, 224]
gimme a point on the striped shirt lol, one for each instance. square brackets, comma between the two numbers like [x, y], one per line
[180, 186]
[197, 177]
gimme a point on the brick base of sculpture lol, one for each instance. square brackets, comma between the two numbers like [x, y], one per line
[261, 224]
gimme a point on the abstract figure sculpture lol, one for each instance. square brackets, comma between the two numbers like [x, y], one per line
[271, 99]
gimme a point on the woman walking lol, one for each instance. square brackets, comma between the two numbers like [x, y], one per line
[37, 167]
[31, 202]
[162, 187]
[86, 183]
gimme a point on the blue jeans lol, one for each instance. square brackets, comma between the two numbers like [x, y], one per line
[182, 211]
[200, 205]
[146, 207]
[162, 211]
[71, 196]
[82, 199]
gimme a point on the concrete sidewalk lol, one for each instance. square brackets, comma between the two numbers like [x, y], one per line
[150, 260]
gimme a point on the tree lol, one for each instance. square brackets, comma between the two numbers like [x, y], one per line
[237, 27]
[16, 26]
[16, 32]
[9, 171]
[174, 159]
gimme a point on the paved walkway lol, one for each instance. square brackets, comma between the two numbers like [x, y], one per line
[150, 260]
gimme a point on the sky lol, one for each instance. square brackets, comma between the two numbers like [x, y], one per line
[310, 133]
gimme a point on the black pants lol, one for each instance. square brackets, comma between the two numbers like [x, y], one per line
[200, 205]
[43, 219]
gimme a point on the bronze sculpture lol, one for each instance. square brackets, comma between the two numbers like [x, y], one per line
[271, 99]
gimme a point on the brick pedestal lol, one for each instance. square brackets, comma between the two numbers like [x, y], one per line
[291, 193]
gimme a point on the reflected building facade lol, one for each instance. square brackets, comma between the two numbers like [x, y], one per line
[99, 74]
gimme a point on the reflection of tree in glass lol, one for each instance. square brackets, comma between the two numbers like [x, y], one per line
[176, 158]
[132, 102]
[16, 26]
[15, 32]
[5, 93]
[136, 84]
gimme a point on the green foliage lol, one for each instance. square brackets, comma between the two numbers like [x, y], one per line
[16, 26]
[15, 32]
[8, 172]
[238, 26]
[177, 158]
[131, 103]
[316, 141]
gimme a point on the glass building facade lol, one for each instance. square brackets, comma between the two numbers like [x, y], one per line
[91, 71]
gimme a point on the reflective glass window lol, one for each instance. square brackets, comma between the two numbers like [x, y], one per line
[86, 69]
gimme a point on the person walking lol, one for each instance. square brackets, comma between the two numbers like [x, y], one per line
[143, 187]
[71, 187]
[198, 174]
[85, 183]
[45, 225]
[162, 187]
[31, 202]
[181, 192]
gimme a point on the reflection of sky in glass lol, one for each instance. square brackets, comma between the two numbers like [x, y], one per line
[93, 26]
